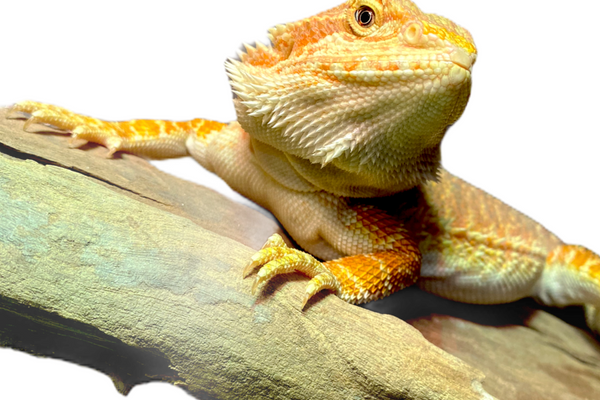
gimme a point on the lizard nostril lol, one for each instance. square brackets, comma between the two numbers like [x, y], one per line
[413, 33]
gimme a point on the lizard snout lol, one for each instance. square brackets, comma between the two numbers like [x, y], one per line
[462, 58]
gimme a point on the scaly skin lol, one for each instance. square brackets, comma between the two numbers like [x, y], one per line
[339, 127]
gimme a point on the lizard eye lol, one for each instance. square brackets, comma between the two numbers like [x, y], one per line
[365, 16]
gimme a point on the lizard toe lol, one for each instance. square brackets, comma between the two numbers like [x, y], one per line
[275, 240]
[273, 248]
[288, 261]
[275, 258]
[324, 280]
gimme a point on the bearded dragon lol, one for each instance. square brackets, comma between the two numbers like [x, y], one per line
[340, 120]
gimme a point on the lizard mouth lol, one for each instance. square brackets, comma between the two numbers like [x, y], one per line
[462, 58]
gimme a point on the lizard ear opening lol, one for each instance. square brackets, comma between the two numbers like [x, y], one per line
[364, 17]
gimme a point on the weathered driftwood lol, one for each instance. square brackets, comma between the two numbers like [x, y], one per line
[118, 266]
[525, 352]
[100, 264]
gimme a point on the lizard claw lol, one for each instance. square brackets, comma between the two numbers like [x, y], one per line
[277, 258]
[15, 113]
[275, 240]
[324, 280]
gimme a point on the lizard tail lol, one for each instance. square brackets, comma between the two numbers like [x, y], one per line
[572, 277]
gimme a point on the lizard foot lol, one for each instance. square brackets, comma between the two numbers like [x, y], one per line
[277, 258]
[81, 128]
[152, 138]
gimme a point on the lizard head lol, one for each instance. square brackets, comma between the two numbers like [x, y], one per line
[360, 95]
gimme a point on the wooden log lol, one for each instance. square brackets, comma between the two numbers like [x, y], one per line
[114, 265]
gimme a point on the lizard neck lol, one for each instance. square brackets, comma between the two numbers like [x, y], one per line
[300, 174]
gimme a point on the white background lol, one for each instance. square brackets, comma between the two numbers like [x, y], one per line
[529, 135]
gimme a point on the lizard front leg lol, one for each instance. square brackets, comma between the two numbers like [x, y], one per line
[369, 255]
[150, 138]
[356, 279]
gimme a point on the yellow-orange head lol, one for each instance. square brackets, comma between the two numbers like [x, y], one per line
[363, 92]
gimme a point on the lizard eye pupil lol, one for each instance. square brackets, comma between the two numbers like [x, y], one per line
[365, 16]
